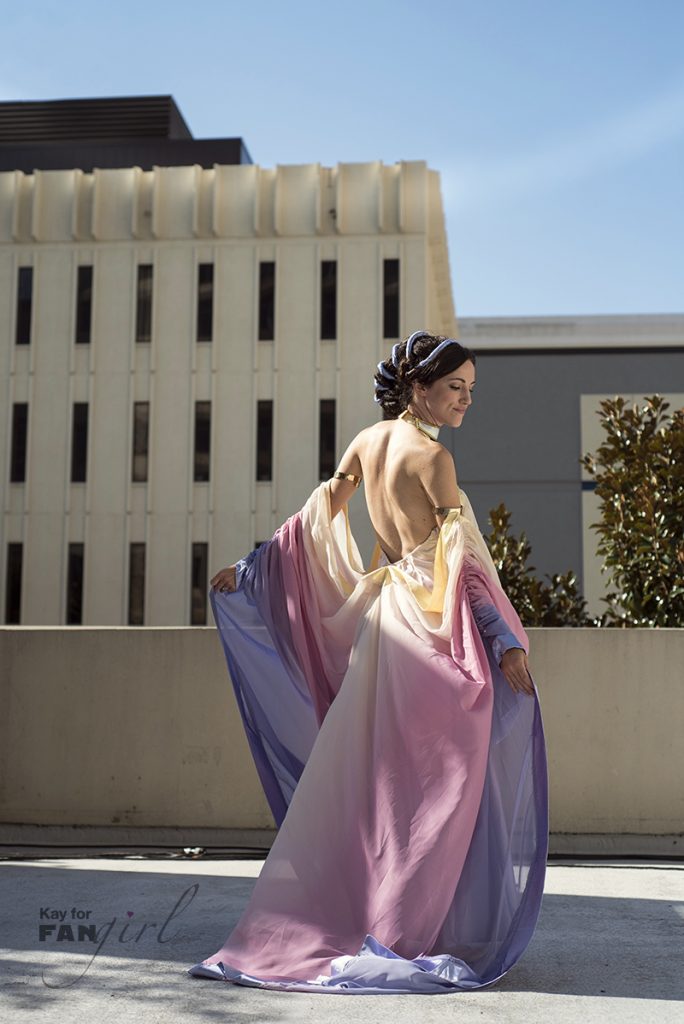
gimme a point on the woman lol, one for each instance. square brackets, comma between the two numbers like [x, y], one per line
[393, 721]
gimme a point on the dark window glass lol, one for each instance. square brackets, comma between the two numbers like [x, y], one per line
[19, 431]
[326, 439]
[143, 313]
[390, 290]
[75, 585]
[79, 442]
[264, 466]
[136, 584]
[329, 299]
[205, 301]
[13, 583]
[266, 301]
[202, 439]
[141, 424]
[84, 304]
[24, 302]
[198, 616]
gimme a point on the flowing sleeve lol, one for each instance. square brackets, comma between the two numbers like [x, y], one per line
[285, 662]
[242, 567]
[491, 624]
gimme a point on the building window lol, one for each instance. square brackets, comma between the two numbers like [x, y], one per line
[326, 439]
[390, 291]
[19, 431]
[198, 616]
[13, 584]
[136, 584]
[79, 442]
[24, 303]
[141, 426]
[84, 304]
[75, 585]
[328, 298]
[202, 440]
[143, 313]
[205, 301]
[266, 301]
[264, 466]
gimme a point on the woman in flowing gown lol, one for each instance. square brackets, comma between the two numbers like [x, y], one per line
[392, 718]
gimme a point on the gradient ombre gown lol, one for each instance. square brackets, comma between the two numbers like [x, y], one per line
[407, 780]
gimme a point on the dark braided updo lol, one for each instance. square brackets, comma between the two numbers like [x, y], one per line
[395, 377]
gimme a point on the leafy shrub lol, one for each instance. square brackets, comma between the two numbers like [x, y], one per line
[639, 473]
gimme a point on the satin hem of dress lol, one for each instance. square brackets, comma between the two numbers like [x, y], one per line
[375, 969]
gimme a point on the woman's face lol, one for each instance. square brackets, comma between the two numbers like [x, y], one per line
[446, 400]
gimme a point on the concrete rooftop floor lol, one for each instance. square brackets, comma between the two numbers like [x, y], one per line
[609, 947]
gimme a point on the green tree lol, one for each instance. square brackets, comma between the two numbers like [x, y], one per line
[639, 473]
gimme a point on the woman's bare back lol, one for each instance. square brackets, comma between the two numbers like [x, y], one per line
[404, 475]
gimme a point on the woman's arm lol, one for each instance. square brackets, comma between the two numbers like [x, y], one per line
[438, 479]
[229, 578]
[440, 484]
[342, 490]
[225, 579]
[507, 650]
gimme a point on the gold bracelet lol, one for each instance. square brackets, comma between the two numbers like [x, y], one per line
[339, 475]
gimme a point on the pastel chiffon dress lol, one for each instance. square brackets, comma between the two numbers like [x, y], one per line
[408, 781]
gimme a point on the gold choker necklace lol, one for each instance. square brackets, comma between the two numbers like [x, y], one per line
[431, 429]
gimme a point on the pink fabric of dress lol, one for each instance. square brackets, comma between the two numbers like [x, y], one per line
[368, 857]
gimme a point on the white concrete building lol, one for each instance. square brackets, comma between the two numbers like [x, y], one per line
[185, 351]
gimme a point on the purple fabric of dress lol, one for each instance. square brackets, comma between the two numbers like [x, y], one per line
[407, 780]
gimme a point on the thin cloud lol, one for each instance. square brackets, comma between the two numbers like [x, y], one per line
[621, 140]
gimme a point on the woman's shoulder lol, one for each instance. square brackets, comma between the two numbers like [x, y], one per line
[373, 432]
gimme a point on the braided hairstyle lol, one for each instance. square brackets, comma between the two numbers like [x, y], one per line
[395, 377]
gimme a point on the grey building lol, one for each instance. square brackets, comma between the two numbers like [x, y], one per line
[539, 384]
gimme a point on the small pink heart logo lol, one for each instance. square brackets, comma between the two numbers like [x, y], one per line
[130, 913]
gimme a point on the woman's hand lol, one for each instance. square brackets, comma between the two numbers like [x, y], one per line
[514, 667]
[225, 579]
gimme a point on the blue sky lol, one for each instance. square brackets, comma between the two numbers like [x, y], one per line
[557, 126]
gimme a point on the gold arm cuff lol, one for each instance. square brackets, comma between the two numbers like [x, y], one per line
[442, 510]
[339, 475]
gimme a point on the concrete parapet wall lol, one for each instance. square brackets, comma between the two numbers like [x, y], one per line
[139, 728]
